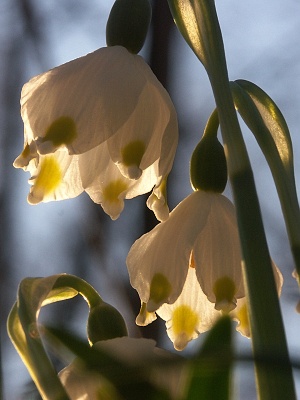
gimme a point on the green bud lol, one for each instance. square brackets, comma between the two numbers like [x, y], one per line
[128, 24]
[105, 322]
[208, 169]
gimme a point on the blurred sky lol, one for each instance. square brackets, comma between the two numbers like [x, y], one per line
[262, 45]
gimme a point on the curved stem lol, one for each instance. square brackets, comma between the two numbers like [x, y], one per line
[86, 290]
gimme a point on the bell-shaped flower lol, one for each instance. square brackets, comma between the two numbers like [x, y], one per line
[103, 124]
[192, 313]
[165, 373]
[188, 269]
[202, 232]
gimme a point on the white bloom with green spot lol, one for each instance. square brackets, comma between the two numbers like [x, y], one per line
[103, 124]
[188, 269]
[200, 232]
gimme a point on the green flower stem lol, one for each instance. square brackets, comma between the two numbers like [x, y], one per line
[212, 126]
[24, 331]
[87, 291]
[267, 329]
[32, 352]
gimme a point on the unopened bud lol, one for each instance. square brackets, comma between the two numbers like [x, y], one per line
[105, 322]
[208, 169]
[128, 24]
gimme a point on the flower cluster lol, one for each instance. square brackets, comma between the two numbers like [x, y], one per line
[102, 124]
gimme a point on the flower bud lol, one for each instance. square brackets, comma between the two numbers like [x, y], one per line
[128, 24]
[208, 169]
[105, 322]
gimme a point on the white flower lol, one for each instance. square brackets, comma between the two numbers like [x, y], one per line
[188, 269]
[200, 232]
[82, 384]
[192, 314]
[102, 124]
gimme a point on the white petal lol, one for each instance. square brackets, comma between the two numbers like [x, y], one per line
[81, 384]
[163, 254]
[158, 204]
[139, 142]
[98, 92]
[217, 253]
[105, 184]
[144, 317]
[28, 154]
[190, 315]
[168, 145]
[145, 183]
[240, 314]
[55, 177]
[132, 351]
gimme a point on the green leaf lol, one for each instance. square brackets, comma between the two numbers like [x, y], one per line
[24, 330]
[31, 351]
[269, 127]
[211, 368]
[266, 122]
[185, 18]
[198, 23]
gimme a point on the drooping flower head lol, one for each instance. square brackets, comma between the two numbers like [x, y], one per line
[102, 124]
[200, 233]
[188, 269]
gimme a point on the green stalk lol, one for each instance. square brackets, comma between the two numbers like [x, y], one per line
[32, 353]
[267, 328]
[23, 326]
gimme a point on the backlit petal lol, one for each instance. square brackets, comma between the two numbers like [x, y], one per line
[105, 184]
[157, 201]
[166, 250]
[190, 315]
[98, 92]
[55, 177]
[112, 120]
[139, 142]
[217, 254]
